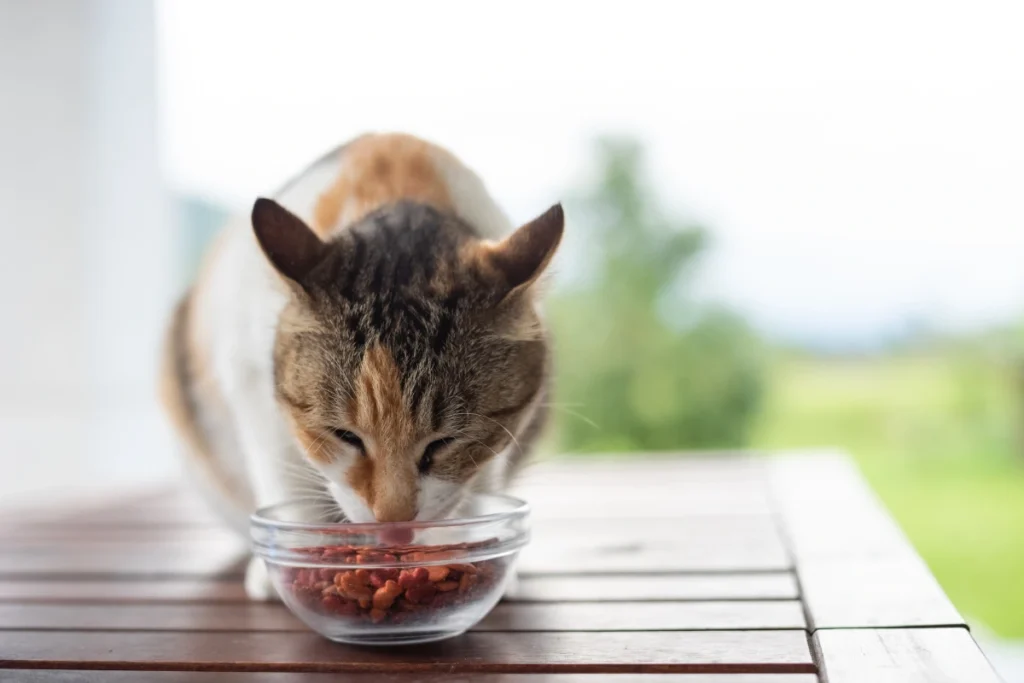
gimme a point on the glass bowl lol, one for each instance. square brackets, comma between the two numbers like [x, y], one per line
[392, 583]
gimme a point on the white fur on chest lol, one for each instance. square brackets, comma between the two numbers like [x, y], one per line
[241, 310]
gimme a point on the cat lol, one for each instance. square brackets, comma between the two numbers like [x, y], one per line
[370, 337]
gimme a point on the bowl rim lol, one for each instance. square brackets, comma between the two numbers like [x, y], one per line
[519, 509]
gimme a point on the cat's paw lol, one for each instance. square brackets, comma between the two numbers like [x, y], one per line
[257, 582]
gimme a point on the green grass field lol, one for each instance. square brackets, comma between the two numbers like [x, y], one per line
[935, 436]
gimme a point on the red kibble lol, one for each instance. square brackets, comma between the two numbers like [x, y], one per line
[388, 593]
[437, 573]
[378, 577]
[357, 593]
[421, 593]
[413, 577]
[466, 582]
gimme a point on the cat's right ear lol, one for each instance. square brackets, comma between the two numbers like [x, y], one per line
[289, 244]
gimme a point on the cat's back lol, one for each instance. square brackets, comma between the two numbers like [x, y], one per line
[378, 169]
[335, 191]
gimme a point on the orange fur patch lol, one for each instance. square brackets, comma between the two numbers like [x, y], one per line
[386, 478]
[377, 170]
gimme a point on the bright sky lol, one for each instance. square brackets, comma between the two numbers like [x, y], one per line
[860, 163]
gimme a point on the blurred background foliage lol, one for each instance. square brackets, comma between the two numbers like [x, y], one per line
[936, 423]
[640, 365]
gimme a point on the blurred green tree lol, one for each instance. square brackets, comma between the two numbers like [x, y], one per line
[640, 366]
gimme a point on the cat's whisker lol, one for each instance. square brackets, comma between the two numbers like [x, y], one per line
[507, 431]
[304, 477]
[311, 489]
[298, 466]
[319, 440]
[462, 432]
[561, 408]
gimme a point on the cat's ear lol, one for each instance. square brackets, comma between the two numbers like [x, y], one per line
[289, 244]
[522, 256]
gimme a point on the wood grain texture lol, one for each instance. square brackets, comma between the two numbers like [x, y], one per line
[924, 655]
[693, 582]
[725, 586]
[173, 507]
[152, 559]
[41, 535]
[657, 545]
[601, 652]
[693, 544]
[117, 589]
[645, 616]
[253, 616]
[79, 676]
[875, 593]
[829, 512]
[855, 566]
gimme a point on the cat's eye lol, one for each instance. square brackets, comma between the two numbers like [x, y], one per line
[349, 438]
[427, 460]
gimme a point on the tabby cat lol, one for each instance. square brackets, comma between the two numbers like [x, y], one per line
[369, 341]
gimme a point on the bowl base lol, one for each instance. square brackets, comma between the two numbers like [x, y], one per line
[385, 639]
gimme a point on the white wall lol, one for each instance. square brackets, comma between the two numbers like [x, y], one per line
[86, 266]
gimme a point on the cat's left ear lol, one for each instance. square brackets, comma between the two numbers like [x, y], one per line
[522, 256]
[289, 244]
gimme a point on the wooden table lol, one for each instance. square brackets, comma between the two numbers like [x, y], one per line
[726, 569]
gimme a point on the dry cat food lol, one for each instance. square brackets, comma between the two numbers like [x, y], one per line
[393, 594]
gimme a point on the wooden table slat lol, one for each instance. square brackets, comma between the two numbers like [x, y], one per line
[856, 567]
[253, 617]
[723, 586]
[717, 543]
[921, 655]
[875, 593]
[118, 589]
[597, 652]
[79, 676]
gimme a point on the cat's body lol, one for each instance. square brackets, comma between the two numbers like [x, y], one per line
[378, 344]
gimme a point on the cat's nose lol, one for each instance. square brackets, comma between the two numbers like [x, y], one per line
[394, 510]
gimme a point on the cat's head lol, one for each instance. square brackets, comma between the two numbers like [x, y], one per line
[410, 351]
